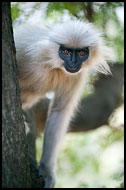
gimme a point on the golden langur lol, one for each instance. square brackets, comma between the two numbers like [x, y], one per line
[57, 59]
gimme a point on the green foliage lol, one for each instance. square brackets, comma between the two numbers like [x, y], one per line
[112, 137]
[72, 7]
[81, 162]
[84, 161]
[39, 147]
[15, 10]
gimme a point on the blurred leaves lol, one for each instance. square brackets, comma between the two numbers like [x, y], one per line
[73, 7]
[111, 137]
[83, 160]
[15, 10]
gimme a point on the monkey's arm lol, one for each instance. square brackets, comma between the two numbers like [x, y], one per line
[56, 126]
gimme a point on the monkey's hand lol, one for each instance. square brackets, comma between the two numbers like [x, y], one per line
[48, 176]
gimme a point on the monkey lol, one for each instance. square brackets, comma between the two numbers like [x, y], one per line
[57, 59]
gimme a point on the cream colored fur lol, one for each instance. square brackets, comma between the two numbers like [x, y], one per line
[41, 70]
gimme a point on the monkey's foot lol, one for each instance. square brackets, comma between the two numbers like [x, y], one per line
[48, 176]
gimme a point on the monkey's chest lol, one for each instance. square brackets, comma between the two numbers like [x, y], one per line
[56, 80]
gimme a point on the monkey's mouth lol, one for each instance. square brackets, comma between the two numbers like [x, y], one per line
[72, 69]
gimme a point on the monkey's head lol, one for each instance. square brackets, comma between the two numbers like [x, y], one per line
[80, 45]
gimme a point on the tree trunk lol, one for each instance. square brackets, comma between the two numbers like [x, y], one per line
[15, 160]
[19, 167]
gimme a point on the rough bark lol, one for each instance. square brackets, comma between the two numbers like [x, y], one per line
[18, 171]
[15, 164]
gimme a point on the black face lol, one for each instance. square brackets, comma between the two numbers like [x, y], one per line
[73, 57]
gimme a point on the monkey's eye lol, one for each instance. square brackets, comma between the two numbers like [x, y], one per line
[66, 52]
[82, 53]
